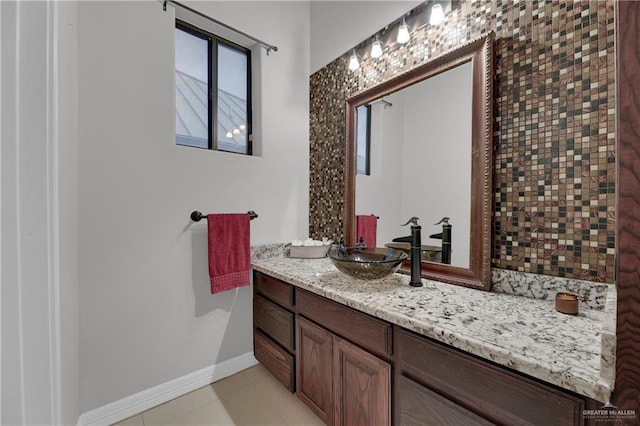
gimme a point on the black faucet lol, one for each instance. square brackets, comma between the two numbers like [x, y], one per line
[415, 240]
[445, 236]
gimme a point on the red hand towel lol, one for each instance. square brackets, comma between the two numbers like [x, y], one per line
[229, 251]
[367, 228]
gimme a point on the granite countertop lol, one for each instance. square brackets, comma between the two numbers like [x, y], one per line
[525, 334]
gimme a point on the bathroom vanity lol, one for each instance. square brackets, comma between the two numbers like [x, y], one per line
[381, 352]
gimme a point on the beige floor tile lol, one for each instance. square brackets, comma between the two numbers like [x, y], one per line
[273, 392]
[213, 413]
[165, 413]
[247, 408]
[240, 408]
[250, 398]
[257, 373]
[230, 384]
[131, 421]
[286, 404]
[298, 414]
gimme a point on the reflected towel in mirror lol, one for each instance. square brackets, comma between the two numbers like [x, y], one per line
[367, 228]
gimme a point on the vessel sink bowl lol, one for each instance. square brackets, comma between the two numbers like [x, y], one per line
[367, 263]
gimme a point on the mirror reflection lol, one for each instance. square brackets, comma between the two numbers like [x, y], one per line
[429, 162]
[414, 158]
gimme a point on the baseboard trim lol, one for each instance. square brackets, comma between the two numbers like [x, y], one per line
[137, 403]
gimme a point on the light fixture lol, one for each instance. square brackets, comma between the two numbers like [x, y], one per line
[229, 135]
[353, 61]
[236, 131]
[437, 15]
[376, 48]
[403, 33]
[242, 127]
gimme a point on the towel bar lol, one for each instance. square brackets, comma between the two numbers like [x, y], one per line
[196, 216]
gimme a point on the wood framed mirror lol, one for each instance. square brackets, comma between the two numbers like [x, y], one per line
[468, 166]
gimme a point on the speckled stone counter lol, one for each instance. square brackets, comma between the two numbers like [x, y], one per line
[574, 352]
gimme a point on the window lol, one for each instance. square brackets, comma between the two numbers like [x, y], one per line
[363, 139]
[213, 92]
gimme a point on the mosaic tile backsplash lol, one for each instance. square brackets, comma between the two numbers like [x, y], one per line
[554, 169]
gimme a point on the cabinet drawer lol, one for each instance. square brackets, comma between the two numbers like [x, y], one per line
[497, 394]
[273, 289]
[274, 321]
[418, 405]
[359, 328]
[275, 359]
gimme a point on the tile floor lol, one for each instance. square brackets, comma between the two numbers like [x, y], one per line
[252, 397]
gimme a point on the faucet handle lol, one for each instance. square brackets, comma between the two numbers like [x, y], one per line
[444, 219]
[413, 221]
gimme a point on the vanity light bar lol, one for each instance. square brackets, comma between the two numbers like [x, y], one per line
[403, 36]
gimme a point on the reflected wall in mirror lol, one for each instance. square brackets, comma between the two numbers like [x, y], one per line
[430, 156]
[420, 162]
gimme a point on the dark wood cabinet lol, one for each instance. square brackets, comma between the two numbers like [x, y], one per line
[417, 406]
[362, 386]
[273, 289]
[273, 327]
[364, 330]
[278, 361]
[274, 321]
[353, 369]
[342, 383]
[324, 352]
[492, 392]
[314, 368]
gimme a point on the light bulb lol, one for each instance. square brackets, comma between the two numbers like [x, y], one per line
[236, 131]
[242, 127]
[437, 15]
[376, 49]
[353, 62]
[403, 33]
[229, 135]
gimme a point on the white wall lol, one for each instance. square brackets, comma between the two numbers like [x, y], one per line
[66, 134]
[146, 314]
[32, 387]
[381, 192]
[337, 26]
[437, 157]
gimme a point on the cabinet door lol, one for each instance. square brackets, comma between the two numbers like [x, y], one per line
[362, 386]
[313, 368]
